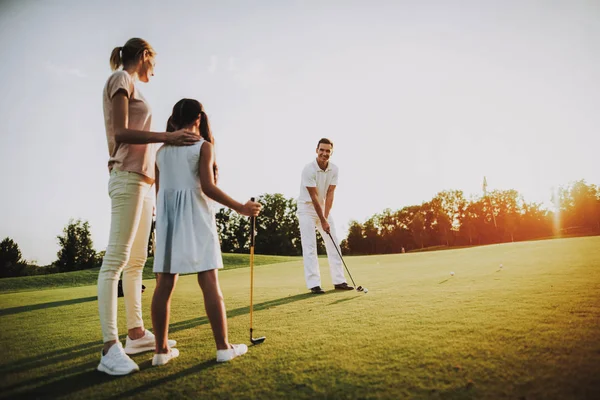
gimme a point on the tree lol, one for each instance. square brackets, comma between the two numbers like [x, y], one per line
[404, 219]
[344, 247]
[470, 219]
[277, 230]
[578, 207]
[451, 203]
[394, 233]
[441, 213]
[76, 250]
[584, 202]
[11, 263]
[234, 231]
[508, 210]
[535, 222]
[355, 241]
[371, 235]
[487, 225]
[444, 227]
[417, 226]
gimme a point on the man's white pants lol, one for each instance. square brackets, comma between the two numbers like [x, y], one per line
[309, 220]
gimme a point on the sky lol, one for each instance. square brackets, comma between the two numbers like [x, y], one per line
[418, 97]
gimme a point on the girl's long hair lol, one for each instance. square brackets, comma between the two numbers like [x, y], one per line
[185, 112]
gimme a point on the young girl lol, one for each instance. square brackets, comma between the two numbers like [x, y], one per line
[186, 230]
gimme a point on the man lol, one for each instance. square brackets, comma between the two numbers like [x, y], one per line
[319, 179]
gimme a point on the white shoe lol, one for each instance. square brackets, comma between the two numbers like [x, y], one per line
[162, 359]
[145, 343]
[230, 354]
[116, 362]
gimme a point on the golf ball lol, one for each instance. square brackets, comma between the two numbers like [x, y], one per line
[366, 290]
[500, 265]
[452, 273]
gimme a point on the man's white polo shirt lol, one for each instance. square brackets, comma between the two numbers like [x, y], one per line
[314, 176]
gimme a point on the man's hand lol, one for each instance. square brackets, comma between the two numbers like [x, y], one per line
[325, 226]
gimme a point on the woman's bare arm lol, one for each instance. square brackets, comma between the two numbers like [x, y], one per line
[120, 108]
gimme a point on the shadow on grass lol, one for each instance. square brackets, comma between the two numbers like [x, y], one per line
[55, 374]
[464, 392]
[192, 323]
[137, 391]
[42, 306]
[62, 387]
[342, 300]
[87, 379]
[53, 357]
[91, 377]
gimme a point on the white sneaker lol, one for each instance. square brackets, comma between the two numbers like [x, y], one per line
[116, 362]
[145, 343]
[162, 359]
[230, 354]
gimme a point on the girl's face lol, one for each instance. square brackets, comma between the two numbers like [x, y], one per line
[146, 68]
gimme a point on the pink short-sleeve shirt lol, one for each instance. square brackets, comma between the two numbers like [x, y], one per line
[139, 158]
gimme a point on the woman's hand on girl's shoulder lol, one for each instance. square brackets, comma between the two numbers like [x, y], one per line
[182, 137]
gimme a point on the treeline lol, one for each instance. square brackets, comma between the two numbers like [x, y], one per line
[277, 231]
[449, 219]
[76, 252]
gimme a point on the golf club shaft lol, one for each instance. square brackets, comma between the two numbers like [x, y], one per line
[341, 258]
[251, 285]
[252, 230]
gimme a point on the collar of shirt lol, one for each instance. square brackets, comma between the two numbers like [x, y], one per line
[316, 164]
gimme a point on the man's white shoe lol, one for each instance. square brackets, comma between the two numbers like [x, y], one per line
[162, 359]
[145, 343]
[116, 362]
[230, 354]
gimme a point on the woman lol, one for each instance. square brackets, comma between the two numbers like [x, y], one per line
[186, 230]
[132, 152]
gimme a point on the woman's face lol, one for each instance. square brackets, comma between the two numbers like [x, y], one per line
[146, 67]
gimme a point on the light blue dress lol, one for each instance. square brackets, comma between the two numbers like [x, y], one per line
[186, 231]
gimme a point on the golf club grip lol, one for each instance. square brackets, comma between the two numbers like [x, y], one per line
[252, 227]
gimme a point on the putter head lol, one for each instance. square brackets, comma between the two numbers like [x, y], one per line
[257, 340]
[359, 289]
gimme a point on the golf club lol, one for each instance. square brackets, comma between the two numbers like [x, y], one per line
[359, 288]
[252, 233]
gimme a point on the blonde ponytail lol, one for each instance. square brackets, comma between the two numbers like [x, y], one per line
[115, 59]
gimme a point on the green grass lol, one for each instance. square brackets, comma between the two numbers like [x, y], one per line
[90, 276]
[529, 330]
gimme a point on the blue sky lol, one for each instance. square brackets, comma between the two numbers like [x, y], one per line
[418, 96]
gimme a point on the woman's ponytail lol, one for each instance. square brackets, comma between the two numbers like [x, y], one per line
[115, 58]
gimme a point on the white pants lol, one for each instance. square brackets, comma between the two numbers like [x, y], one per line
[309, 220]
[132, 201]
